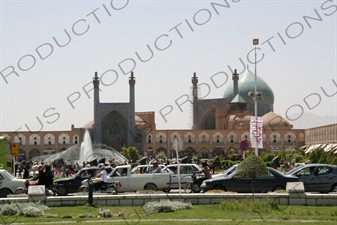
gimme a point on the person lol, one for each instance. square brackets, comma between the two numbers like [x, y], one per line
[64, 170]
[25, 167]
[77, 168]
[49, 176]
[156, 168]
[40, 176]
[206, 171]
[103, 177]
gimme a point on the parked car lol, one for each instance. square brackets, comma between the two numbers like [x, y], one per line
[71, 184]
[134, 182]
[316, 177]
[186, 171]
[8, 183]
[226, 172]
[273, 181]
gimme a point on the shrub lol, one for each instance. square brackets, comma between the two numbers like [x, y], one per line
[104, 213]
[32, 211]
[165, 205]
[9, 209]
[19, 209]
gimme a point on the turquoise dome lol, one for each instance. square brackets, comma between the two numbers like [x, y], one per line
[246, 83]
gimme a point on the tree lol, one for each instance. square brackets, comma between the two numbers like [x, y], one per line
[161, 155]
[252, 167]
[131, 153]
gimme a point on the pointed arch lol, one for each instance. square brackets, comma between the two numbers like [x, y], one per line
[208, 119]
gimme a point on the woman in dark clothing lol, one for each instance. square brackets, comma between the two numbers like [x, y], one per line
[49, 176]
[25, 168]
[41, 176]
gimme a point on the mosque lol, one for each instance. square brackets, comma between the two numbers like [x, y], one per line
[219, 125]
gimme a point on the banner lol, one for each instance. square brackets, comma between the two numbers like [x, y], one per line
[256, 138]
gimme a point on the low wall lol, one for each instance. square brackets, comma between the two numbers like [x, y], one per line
[196, 199]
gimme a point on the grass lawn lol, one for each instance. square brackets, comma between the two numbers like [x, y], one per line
[199, 214]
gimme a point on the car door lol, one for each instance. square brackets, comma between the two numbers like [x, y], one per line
[307, 176]
[324, 177]
[186, 173]
[124, 180]
[174, 176]
[235, 184]
[74, 183]
[266, 183]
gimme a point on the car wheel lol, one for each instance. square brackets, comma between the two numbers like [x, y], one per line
[279, 187]
[334, 188]
[62, 190]
[196, 188]
[4, 192]
[152, 187]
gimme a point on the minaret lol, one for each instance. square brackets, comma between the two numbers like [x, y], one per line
[195, 98]
[97, 131]
[235, 78]
[132, 113]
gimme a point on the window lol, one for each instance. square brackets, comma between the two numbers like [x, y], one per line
[35, 143]
[324, 170]
[64, 142]
[49, 142]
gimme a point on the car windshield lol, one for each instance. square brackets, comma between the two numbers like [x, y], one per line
[228, 171]
[293, 170]
[232, 175]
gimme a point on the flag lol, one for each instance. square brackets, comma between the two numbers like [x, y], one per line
[256, 138]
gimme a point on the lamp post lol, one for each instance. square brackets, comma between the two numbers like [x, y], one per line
[255, 42]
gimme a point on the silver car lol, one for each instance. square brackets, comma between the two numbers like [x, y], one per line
[317, 177]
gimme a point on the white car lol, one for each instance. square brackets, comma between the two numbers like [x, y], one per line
[186, 171]
[8, 183]
[145, 169]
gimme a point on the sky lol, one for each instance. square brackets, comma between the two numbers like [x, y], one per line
[50, 50]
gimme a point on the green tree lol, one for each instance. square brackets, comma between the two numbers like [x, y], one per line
[161, 155]
[131, 153]
[323, 159]
[252, 167]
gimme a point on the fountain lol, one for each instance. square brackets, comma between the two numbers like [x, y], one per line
[86, 152]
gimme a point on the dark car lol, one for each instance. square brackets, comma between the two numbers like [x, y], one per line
[71, 184]
[316, 177]
[273, 181]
